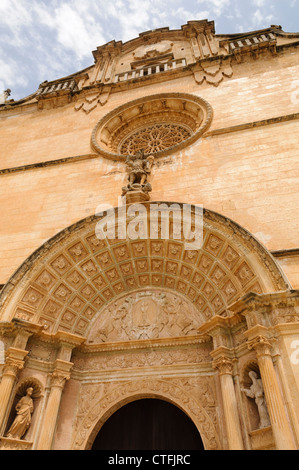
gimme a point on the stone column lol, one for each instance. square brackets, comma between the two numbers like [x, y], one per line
[219, 328]
[233, 427]
[14, 363]
[60, 375]
[277, 412]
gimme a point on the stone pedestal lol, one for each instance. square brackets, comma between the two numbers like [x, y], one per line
[135, 197]
[262, 439]
[7, 443]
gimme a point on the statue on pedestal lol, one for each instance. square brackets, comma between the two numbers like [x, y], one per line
[138, 168]
[256, 391]
[24, 409]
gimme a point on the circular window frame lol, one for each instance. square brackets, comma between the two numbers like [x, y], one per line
[121, 118]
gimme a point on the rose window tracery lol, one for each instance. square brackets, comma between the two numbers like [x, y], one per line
[158, 124]
[154, 139]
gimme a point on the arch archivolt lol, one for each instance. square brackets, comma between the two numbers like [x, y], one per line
[71, 280]
[99, 402]
[136, 306]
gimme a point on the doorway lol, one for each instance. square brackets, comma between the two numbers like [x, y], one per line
[148, 424]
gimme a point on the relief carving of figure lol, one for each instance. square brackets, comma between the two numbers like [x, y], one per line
[145, 315]
[256, 391]
[24, 409]
[138, 168]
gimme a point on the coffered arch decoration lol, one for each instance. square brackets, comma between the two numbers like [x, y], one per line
[75, 280]
[159, 124]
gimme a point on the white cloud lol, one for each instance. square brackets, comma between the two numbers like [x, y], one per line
[9, 75]
[47, 39]
[258, 3]
[15, 13]
[258, 17]
[217, 6]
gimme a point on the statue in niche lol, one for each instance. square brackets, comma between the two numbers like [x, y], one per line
[256, 391]
[138, 168]
[24, 409]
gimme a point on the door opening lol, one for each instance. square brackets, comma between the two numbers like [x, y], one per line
[148, 424]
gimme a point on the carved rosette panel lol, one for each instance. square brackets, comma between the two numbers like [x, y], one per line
[97, 405]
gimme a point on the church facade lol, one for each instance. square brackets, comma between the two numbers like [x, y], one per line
[105, 298]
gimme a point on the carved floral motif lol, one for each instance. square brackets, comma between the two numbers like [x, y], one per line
[98, 401]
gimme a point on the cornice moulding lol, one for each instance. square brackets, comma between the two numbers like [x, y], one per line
[175, 371]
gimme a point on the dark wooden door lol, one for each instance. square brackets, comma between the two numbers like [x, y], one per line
[148, 424]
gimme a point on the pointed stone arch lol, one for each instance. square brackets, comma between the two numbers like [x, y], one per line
[74, 276]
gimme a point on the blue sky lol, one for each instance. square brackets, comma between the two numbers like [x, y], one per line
[48, 39]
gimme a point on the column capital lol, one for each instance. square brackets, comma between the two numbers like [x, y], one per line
[14, 361]
[261, 344]
[223, 360]
[260, 339]
[223, 365]
[61, 373]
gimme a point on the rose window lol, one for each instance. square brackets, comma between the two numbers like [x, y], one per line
[154, 139]
[158, 124]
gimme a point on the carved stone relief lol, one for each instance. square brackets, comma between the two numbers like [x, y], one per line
[22, 421]
[146, 315]
[71, 281]
[90, 101]
[157, 124]
[212, 72]
[98, 402]
[192, 354]
[152, 50]
[256, 392]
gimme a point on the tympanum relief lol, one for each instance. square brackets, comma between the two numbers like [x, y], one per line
[146, 315]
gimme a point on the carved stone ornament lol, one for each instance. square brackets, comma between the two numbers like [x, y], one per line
[158, 124]
[212, 72]
[256, 391]
[146, 315]
[262, 345]
[91, 100]
[24, 409]
[4, 95]
[152, 50]
[96, 405]
[138, 168]
[89, 274]
[223, 365]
